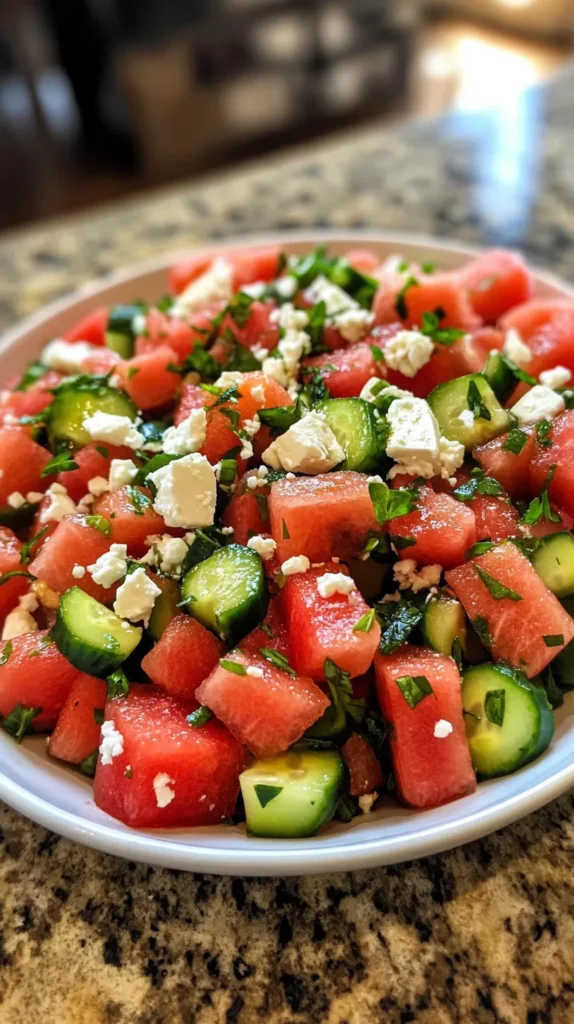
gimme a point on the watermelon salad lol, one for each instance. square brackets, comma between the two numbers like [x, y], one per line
[295, 539]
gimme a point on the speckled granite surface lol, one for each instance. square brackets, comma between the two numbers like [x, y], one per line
[482, 934]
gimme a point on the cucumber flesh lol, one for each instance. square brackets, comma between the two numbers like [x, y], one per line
[75, 402]
[527, 723]
[123, 344]
[227, 592]
[554, 563]
[449, 400]
[444, 621]
[500, 376]
[92, 637]
[354, 424]
[292, 795]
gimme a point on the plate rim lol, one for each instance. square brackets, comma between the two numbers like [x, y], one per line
[263, 857]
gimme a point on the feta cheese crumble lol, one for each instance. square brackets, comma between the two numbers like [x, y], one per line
[366, 802]
[309, 446]
[258, 392]
[59, 505]
[110, 567]
[215, 285]
[540, 403]
[354, 324]
[186, 492]
[442, 729]
[78, 572]
[98, 485]
[254, 671]
[466, 417]
[408, 577]
[122, 472]
[188, 436]
[229, 378]
[264, 546]
[16, 500]
[557, 377]
[336, 300]
[136, 597]
[112, 742]
[516, 349]
[335, 583]
[295, 564]
[408, 352]
[162, 788]
[166, 552]
[67, 357]
[375, 387]
[117, 430]
[415, 443]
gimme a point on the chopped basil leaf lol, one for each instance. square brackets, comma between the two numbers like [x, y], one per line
[376, 545]
[13, 573]
[233, 666]
[398, 619]
[98, 716]
[272, 655]
[553, 691]
[138, 500]
[479, 483]
[61, 463]
[198, 361]
[265, 794]
[479, 548]
[498, 590]
[239, 308]
[542, 430]
[494, 704]
[280, 418]
[201, 716]
[263, 506]
[6, 652]
[232, 415]
[365, 623]
[518, 372]
[377, 353]
[440, 335]
[389, 504]
[414, 689]
[347, 808]
[100, 523]
[400, 543]
[88, 765]
[540, 507]
[475, 403]
[26, 550]
[515, 441]
[316, 327]
[456, 652]
[554, 640]
[33, 372]
[18, 722]
[205, 542]
[428, 268]
[314, 391]
[118, 684]
[400, 301]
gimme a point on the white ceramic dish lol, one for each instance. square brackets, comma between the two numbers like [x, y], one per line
[60, 799]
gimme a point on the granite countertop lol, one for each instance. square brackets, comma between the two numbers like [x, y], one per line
[482, 934]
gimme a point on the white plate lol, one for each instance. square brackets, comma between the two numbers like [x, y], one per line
[60, 799]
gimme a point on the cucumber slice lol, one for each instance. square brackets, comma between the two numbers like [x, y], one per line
[92, 638]
[120, 334]
[354, 424]
[79, 399]
[448, 400]
[293, 794]
[444, 621]
[527, 722]
[227, 592]
[165, 607]
[554, 563]
[123, 344]
[500, 376]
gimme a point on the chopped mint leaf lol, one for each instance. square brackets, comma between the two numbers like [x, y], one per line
[475, 403]
[494, 705]
[400, 301]
[398, 619]
[414, 689]
[233, 666]
[498, 590]
[26, 550]
[365, 623]
[61, 463]
[515, 441]
[554, 640]
[100, 523]
[201, 716]
[482, 630]
[389, 504]
[272, 655]
[118, 684]
[18, 722]
[265, 794]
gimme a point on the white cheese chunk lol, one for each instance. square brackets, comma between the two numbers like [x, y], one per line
[413, 437]
[408, 352]
[117, 430]
[336, 300]
[516, 349]
[254, 671]
[366, 802]
[409, 577]
[162, 788]
[78, 572]
[540, 403]
[335, 583]
[16, 500]
[376, 387]
[295, 564]
[264, 546]
[186, 492]
[136, 597]
[188, 436]
[354, 324]
[450, 457]
[59, 505]
[557, 377]
[289, 318]
[229, 378]
[309, 446]
[442, 729]
[122, 472]
[215, 285]
[67, 357]
[466, 417]
[112, 742]
[98, 485]
[110, 567]
[258, 394]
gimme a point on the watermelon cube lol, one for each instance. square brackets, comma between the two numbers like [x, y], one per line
[169, 773]
[321, 516]
[509, 468]
[266, 711]
[547, 325]
[148, 379]
[496, 282]
[73, 542]
[441, 290]
[21, 463]
[248, 514]
[12, 589]
[346, 371]
[431, 759]
[179, 335]
[323, 627]
[132, 517]
[496, 519]
[512, 624]
[442, 529]
[271, 633]
[183, 657]
[220, 437]
[34, 673]
[92, 460]
[91, 328]
[77, 733]
[560, 454]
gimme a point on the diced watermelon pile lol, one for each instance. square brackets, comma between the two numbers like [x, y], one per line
[284, 596]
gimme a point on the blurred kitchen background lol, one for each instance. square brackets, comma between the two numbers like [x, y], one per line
[103, 98]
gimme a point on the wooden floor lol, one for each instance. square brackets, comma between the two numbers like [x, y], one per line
[457, 66]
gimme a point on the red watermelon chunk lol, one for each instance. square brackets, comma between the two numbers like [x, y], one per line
[220, 437]
[183, 657]
[43, 682]
[92, 460]
[429, 770]
[433, 291]
[496, 519]
[547, 325]
[180, 335]
[271, 633]
[447, 362]
[91, 328]
[148, 379]
[346, 371]
[511, 470]
[73, 542]
[187, 270]
[257, 391]
[364, 260]
[560, 454]
[323, 627]
[31, 401]
[199, 766]
[514, 628]
[248, 514]
[442, 527]
[267, 713]
[496, 282]
[321, 516]
[130, 525]
[77, 734]
[21, 463]
[366, 774]
[10, 591]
